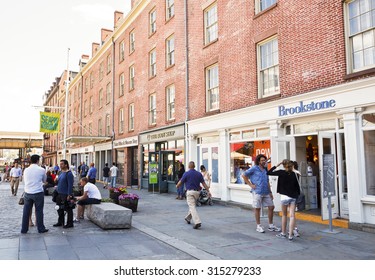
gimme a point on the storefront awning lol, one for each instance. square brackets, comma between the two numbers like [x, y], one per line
[86, 139]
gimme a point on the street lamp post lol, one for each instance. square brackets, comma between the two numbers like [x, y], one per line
[66, 105]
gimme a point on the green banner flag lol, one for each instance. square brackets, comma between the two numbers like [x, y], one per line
[49, 122]
[153, 173]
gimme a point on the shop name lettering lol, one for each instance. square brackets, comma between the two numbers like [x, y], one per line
[303, 108]
[160, 135]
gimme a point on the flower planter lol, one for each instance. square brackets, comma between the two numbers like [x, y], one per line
[114, 196]
[129, 203]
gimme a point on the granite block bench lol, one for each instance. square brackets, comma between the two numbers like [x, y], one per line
[108, 215]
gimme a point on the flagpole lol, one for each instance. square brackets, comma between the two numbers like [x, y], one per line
[66, 106]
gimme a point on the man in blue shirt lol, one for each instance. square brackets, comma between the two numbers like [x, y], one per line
[65, 195]
[192, 180]
[91, 175]
[256, 177]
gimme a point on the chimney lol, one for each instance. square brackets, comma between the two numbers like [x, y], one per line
[83, 61]
[134, 2]
[94, 48]
[118, 17]
[105, 33]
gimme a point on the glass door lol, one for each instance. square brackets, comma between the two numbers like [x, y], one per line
[327, 147]
[166, 168]
[342, 178]
[210, 159]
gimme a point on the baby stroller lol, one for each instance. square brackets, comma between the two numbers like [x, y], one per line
[204, 198]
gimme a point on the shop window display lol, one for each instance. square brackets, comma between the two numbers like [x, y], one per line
[242, 157]
[368, 123]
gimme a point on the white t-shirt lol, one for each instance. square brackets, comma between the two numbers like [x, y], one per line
[114, 170]
[34, 177]
[92, 191]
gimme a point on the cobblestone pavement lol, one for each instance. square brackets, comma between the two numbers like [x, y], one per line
[159, 232]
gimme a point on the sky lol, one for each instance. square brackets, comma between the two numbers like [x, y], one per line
[35, 38]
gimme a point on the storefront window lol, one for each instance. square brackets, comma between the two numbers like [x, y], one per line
[368, 122]
[145, 161]
[120, 165]
[242, 157]
[215, 164]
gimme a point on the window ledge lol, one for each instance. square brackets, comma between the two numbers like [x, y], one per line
[265, 11]
[169, 67]
[240, 187]
[210, 43]
[359, 74]
[268, 98]
[368, 200]
[213, 112]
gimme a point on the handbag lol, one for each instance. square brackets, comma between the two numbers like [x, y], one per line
[22, 200]
[301, 200]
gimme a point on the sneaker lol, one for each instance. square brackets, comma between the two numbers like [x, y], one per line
[274, 228]
[290, 239]
[260, 229]
[281, 235]
[76, 220]
[296, 233]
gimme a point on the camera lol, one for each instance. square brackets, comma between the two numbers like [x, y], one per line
[69, 204]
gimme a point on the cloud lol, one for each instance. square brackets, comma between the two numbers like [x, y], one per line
[94, 13]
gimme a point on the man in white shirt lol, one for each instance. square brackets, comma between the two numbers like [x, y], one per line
[114, 171]
[91, 195]
[34, 178]
[15, 177]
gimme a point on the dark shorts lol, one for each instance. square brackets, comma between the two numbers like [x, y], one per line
[88, 201]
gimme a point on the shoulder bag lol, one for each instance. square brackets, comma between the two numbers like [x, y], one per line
[22, 200]
[301, 200]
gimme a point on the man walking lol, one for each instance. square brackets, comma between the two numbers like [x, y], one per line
[256, 177]
[34, 177]
[106, 175]
[91, 175]
[192, 180]
[15, 177]
[114, 171]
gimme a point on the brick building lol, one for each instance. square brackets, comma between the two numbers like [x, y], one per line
[219, 82]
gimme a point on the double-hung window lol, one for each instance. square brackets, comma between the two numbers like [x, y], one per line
[152, 109]
[152, 17]
[131, 77]
[131, 41]
[361, 37]
[268, 68]
[131, 117]
[169, 9]
[108, 93]
[170, 51]
[121, 121]
[152, 60]
[212, 88]
[122, 85]
[210, 24]
[170, 91]
[122, 51]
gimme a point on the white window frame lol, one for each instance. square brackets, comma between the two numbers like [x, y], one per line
[210, 24]
[101, 68]
[171, 96]
[212, 88]
[91, 104]
[109, 63]
[360, 42]
[122, 84]
[170, 49]
[100, 127]
[152, 63]
[85, 109]
[169, 9]
[100, 98]
[152, 21]
[131, 77]
[268, 64]
[131, 116]
[261, 5]
[131, 41]
[122, 50]
[108, 93]
[121, 121]
[152, 109]
[108, 125]
[91, 80]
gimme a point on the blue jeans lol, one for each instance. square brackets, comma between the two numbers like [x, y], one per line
[30, 200]
[181, 190]
[113, 181]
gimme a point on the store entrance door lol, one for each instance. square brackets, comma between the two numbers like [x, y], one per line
[166, 169]
[327, 146]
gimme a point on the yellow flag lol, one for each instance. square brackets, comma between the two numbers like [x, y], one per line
[49, 122]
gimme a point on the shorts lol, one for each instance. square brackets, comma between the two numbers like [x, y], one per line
[288, 201]
[262, 200]
[88, 201]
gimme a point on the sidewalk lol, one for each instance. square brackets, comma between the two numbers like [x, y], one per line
[159, 232]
